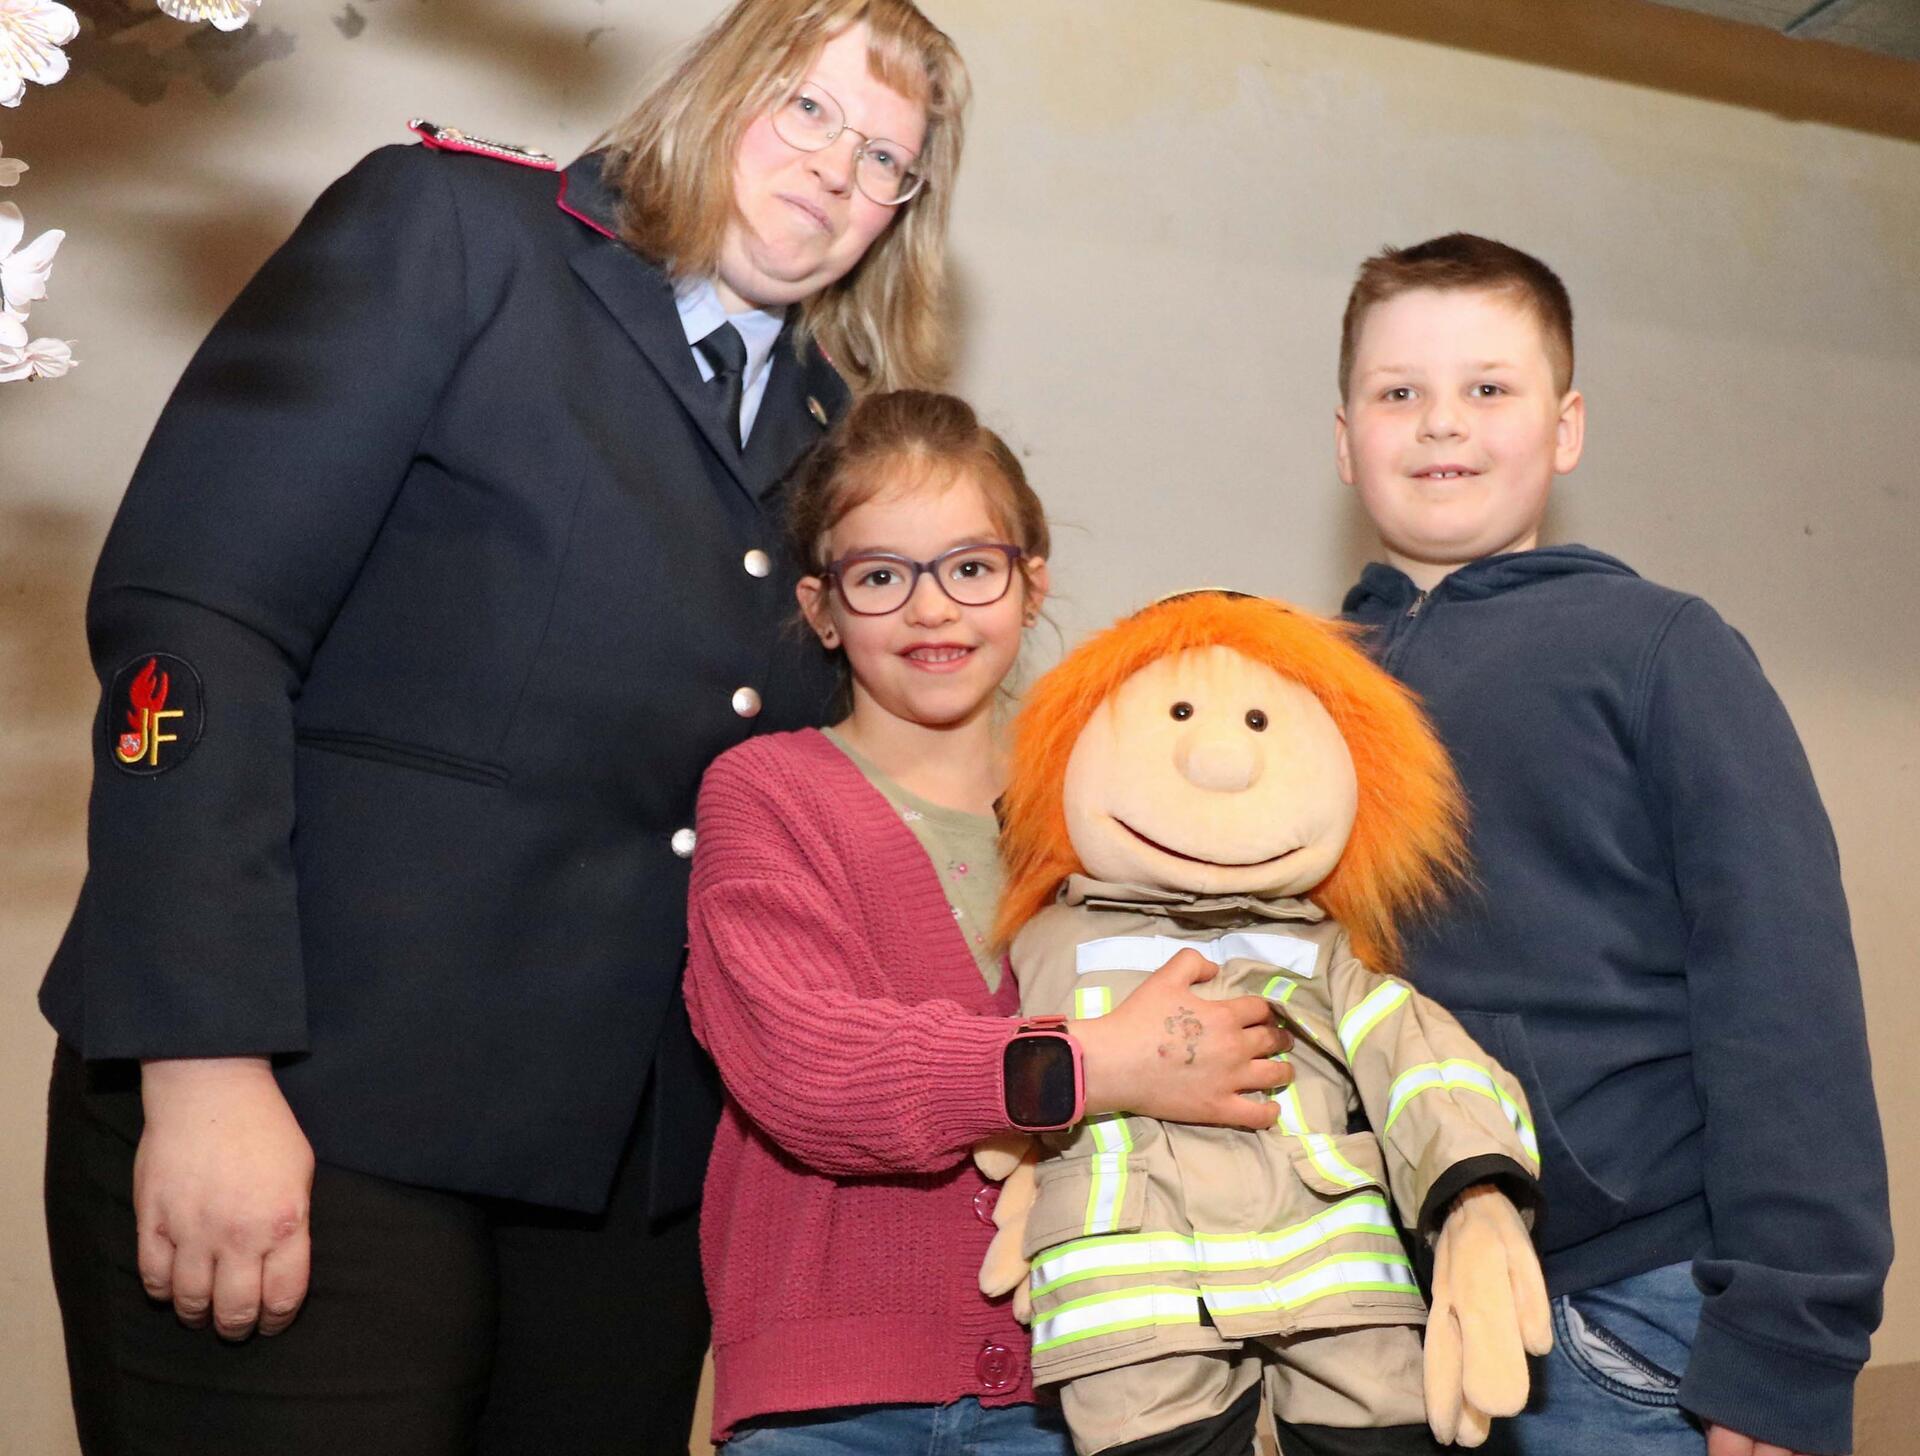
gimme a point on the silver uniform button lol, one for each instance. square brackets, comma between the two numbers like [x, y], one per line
[757, 562]
[746, 702]
[683, 843]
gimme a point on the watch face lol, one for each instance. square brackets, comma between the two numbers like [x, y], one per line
[1039, 1079]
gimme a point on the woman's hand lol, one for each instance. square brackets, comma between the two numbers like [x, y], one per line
[1169, 1054]
[221, 1185]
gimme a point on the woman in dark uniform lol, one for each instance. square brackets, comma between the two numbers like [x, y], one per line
[449, 567]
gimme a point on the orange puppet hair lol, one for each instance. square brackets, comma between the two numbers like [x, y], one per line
[1408, 845]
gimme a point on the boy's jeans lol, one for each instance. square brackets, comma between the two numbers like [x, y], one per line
[1610, 1384]
[965, 1428]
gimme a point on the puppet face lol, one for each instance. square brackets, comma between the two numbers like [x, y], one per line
[1209, 772]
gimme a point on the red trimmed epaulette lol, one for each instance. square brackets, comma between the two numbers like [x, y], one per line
[446, 139]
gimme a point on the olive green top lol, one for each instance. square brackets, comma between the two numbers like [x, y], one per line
[965, 850]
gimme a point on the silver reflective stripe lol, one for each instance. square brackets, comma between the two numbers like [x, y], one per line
[1459, 1076]
[1373, 1009]
[1280, 989]
[1166, 1252]
[1108, 1193]
[1150, 952]
[1125, 1309]
[1342, 1274]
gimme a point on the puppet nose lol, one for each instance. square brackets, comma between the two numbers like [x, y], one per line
[1225, 763]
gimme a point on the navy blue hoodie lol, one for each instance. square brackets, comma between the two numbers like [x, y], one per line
[1657, 945]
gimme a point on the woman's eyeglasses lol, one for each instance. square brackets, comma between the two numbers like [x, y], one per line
[810, 120]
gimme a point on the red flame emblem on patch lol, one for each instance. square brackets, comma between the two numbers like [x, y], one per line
[146, 700]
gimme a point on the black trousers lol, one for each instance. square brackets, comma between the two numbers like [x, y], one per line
[436, 1324]
[1231, 1434]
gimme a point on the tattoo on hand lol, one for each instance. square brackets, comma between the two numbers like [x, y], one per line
[1183, 1023]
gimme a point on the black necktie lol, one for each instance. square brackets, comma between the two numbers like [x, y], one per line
[726, 352]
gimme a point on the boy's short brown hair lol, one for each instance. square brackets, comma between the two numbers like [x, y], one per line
[1463, 261]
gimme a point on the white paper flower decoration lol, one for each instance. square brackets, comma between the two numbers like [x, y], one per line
[42, 359]
[10, 169]
[31, 34]
[225, 14]
[23, 273]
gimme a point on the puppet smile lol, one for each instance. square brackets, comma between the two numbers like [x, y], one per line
[1223, 864]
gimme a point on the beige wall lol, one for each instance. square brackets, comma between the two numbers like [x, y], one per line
[1162, 205]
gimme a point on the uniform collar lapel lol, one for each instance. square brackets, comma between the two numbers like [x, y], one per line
[788, 423]
[640, 297]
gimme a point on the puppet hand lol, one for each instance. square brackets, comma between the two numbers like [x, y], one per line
[1489, 1312]
[221, 1184]
[1166, 1053]
[998, 1156]
[1003, 1268]
[1723, 1441]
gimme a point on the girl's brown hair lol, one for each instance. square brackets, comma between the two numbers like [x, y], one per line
[907, 437]
[884, 325]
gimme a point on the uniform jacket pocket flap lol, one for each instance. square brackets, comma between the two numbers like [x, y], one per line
[1105, 1193]
[1338, 1165]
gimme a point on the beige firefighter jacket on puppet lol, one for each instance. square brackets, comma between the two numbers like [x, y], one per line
[1148, 1238]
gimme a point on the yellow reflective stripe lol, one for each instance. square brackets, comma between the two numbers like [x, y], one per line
[1374, 1009]
[1092, 1001]
[1317, 1145]
[1280, 989]
[1326, 1157]
[1117, 1255]
[1460, 1076]
[1124, 1309]
[1341, 1274]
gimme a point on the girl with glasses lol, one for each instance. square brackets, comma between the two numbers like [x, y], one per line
[841, 973]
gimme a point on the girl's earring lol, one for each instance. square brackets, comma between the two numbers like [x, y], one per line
[829, 638]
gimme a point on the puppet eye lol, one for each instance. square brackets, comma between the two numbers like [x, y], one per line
[1256, 720]
[1181, 712]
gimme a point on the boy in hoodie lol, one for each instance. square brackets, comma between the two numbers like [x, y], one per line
[1657, 944]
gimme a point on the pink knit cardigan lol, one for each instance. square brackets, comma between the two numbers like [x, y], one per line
[844, 1222]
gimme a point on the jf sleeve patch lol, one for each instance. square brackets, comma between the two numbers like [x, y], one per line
[155, 711]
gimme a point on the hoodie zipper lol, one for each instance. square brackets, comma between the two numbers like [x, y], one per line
[1409, 624]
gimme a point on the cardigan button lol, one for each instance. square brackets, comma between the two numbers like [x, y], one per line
[998, 1368]
[682, 843]
[746, 702]
[983, 1203]
[757, 562]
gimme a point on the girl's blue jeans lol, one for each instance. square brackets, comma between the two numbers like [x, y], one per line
[965, 1428]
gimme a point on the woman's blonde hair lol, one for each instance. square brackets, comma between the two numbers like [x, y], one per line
[884, 325]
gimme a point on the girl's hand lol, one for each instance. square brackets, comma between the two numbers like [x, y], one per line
[1169, 1054]
[221, 1184]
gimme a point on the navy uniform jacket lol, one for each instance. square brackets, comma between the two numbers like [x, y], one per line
[442, 557]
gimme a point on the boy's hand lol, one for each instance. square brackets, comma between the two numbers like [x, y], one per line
[221, 1184]
[1724, 1442]
[1489, 1313]
[1169, 1054]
